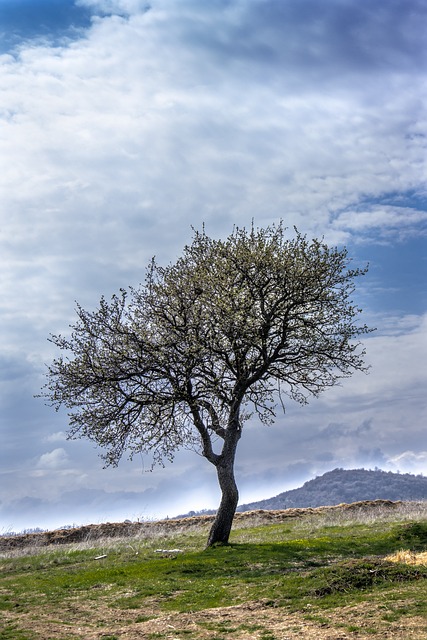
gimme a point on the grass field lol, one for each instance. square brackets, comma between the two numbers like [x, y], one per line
[326, 574]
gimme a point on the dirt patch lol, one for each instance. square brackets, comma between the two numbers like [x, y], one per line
[251, 621]
[93, 532]
[255, 621]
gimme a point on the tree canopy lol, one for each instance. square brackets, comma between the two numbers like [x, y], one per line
[230, 329]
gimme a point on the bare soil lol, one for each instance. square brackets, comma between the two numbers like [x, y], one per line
[251, 621]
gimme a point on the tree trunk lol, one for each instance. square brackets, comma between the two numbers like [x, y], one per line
[220, 530]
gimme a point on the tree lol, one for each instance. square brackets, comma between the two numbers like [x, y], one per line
[226, 331]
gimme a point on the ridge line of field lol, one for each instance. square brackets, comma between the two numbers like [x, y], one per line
[129, 529]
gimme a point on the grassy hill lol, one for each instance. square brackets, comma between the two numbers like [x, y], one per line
[345, 486]
[318, 574]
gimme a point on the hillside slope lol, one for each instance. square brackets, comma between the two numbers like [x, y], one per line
[340, 485]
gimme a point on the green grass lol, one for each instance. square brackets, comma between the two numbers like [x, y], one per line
[12, 632]
[290, 566]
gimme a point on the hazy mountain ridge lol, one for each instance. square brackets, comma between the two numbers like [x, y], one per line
[346, 486]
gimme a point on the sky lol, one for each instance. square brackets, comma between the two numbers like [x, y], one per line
[125, 123]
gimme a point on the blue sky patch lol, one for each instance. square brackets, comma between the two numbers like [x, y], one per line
[33, 19]
[397, 274]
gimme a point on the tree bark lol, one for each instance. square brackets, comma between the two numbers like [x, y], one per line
[220, 530]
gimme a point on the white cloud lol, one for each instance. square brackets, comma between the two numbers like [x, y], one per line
[396, 357]
[117, 118]
[390, 222]
[56, 459]
[114, 145]
[410, 462]
[58, 436]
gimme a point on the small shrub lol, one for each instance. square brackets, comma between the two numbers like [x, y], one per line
[413, 534]
[362, 574]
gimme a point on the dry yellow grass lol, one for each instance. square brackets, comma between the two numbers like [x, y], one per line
[408, 557]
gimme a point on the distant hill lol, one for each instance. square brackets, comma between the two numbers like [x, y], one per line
[340, 485]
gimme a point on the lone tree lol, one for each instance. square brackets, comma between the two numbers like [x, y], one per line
[188, 357]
